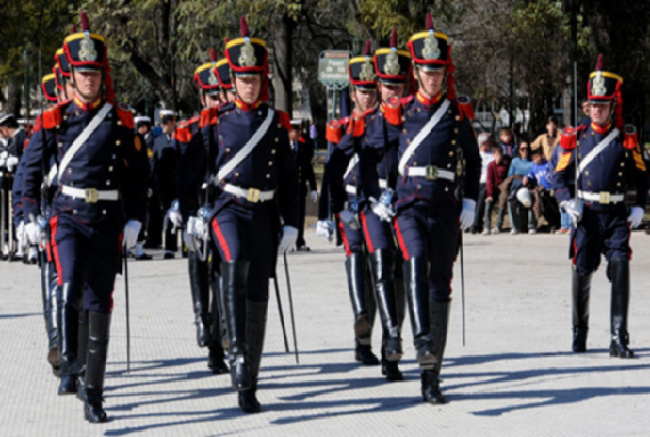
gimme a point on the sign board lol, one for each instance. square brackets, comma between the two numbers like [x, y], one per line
[333, 68]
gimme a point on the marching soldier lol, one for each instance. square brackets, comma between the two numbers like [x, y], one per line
[435, 137]
[344, 184]
[303, 152]
[98, 205]
[222, 70]
[143, 128]
[378, 169]
[9, 157]
[603, 157]
[191, 177]
[254, 205]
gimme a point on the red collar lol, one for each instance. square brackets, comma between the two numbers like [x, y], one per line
[245, 106]
[428, 101]
[600, 130]
[87, 106]
[360, 115]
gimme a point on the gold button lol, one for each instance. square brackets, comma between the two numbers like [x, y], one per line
[268, 176]
[119, 122]
[227, 149]
[277, 140]
[110, 168]
[415, 163]
[272, 151]
[620, 173]
[279, 125]
[618, 184]
[270, 163]
[587, 173]
[108, 183]
[118, 143]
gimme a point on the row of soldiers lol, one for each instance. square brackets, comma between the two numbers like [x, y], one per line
[402, 183]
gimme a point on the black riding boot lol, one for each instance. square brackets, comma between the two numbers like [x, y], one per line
[200, 288]
[580, 287]
[416, 287]
[430, 378]
[68, 326]
[82, 351]
[219, 330]
[99, 325]
[382, 266]
[234, 281]
[619, 274]
[255, 327]
[355, 266]
[216, 356]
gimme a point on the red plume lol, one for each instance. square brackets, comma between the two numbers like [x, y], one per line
[73, 29]
[393, 39]
[84, 21]
[243, 26]
[108, 79]
[599, 62]
[213, 55]
[368, 47]
[227, 39]
[429, 21]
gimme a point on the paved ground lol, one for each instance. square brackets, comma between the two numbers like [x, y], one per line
[515, 375]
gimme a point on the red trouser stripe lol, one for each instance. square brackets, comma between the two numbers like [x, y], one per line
[222, 240]
[400, 240]
[346, 243]
[55, 249]
[369, 245]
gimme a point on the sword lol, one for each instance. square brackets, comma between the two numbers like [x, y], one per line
[293, 319]
[277, 295]
[128, 325]
[462, 285]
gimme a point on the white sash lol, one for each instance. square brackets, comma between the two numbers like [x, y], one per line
[81, 139]
[247, 149]
[602, 145]
[426, 130]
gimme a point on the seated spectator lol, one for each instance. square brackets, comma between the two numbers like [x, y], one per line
[506, 142]
[549, 140]
[485, 144]
[543, 204]
[496, 173]
[519, 168]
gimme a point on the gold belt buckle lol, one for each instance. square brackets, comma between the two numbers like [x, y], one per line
[91, 195]
[603, 197]
[431, 172]
[253, 195]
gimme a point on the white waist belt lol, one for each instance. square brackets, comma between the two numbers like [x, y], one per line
[383, 183]
[351, 189]
[90, 195]
[253, 195]
[603, 197]
[431, 172]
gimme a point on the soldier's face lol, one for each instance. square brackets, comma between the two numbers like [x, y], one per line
[431, 81]
[388, 91]
[69, 90]
[599, 113]
[210, 101]
[143, 129]
[294, 134]
[87, 84]
[365, 99]
[248, 88]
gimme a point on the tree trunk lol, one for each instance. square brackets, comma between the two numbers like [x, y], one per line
[280, 34]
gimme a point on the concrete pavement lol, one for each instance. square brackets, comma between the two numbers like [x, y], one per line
[515, 376]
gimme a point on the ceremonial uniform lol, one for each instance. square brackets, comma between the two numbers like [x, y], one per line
[256, 191]
[435, 137]
[192, 180]
[102, 170]
[609, 161]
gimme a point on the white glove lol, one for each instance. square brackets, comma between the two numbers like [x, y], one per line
[573, 208]
[313, 195]
[175, 218]
[467, 214]
[325, 228]
[33, 232]
[130, 233]
[289, 237]
[3, 158]
[193, 233]
[635, 217]
[12, 162]
[384, 212]
[350, 218]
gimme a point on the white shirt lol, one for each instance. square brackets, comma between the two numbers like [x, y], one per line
[486, 159]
